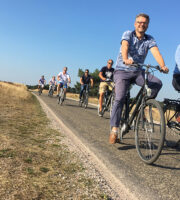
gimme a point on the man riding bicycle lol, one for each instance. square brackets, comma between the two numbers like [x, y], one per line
[176, 76]
[106, 77]
[85, 80]
[52, 83]
[63, 79]
[134, 48]
[41, 82]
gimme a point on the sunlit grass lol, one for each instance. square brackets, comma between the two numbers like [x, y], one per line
[33, 162]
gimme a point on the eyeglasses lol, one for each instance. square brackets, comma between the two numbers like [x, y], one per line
[142, 22]
[110, 63]
[86, 72]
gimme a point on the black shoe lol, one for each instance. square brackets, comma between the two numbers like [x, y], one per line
[57, 95]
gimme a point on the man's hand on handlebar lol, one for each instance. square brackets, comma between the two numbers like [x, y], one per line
[128, 62]
[164, 69]
[108, 80]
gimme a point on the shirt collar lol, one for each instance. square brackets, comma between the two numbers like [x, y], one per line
[134, 34]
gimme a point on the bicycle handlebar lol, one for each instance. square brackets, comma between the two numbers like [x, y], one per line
[145, 65]
[108, 80]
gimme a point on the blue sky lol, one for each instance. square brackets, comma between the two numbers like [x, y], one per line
[42, 36]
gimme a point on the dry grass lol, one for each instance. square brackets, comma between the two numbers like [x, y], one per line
[33, 163]
[14, 90]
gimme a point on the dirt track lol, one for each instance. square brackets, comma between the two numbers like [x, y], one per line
[160, 181]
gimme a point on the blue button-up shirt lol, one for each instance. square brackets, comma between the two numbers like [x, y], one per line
[137, 51]
[177, 59]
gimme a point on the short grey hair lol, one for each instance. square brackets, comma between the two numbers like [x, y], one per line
[143, 15]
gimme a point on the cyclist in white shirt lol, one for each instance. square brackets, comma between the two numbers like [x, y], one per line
[63, 79]
[52, 83]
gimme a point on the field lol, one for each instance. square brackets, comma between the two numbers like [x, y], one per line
[34, 164]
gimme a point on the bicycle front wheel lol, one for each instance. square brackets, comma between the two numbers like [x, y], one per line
[86, 101]
[40, 91]
[61, 97]
[150, 131]
[51, 92]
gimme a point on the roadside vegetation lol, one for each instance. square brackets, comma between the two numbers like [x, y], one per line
[33, 162]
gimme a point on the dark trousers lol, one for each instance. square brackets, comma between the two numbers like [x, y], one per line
[83, 87]
[123, 79]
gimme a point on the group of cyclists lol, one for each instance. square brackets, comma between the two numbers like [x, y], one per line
[63, 79]
[134, 48]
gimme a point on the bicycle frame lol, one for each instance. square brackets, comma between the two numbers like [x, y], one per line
[85, 96]
[139, 101]
[61, 95]
[107, 99]
[149, 126]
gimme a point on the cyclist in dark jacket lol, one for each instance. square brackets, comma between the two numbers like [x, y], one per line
[106, 78]
[85, 80]
[176, 76]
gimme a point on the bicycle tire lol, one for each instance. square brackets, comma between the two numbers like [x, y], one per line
[150, 131]
[111, 104]
[104, 107]
[61, 97]
[51, 92]
[86, 101]
[40, 91]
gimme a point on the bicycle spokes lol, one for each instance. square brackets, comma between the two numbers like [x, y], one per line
[150, 131]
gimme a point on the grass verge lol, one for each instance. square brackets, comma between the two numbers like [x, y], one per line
[33, 163]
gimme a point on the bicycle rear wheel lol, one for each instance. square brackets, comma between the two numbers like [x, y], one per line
[150, 131]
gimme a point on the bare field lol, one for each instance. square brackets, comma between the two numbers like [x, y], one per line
[33, 162]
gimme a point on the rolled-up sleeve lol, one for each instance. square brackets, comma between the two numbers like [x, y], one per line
[152, 42]
[126, 36]
[177, 57]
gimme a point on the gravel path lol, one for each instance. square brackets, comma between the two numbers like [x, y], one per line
[109, 184]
